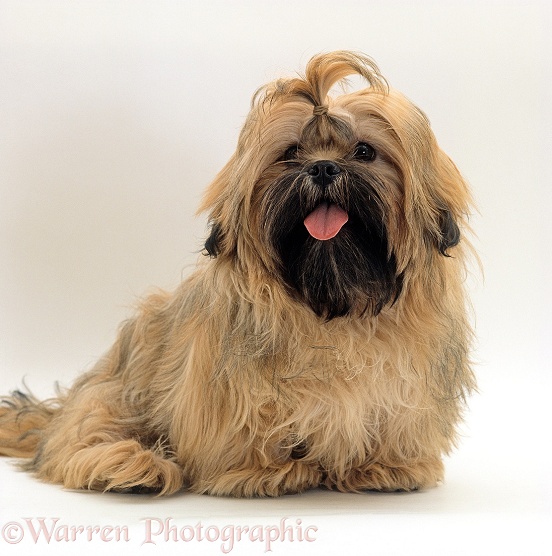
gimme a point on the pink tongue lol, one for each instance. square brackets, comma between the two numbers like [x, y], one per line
[325, 221]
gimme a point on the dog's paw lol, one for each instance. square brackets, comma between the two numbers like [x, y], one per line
[123, 466]
[385, 478]
[290, 478]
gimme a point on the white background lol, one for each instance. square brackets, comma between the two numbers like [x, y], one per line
[114, 116]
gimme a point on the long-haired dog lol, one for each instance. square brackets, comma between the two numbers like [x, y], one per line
[323, 341]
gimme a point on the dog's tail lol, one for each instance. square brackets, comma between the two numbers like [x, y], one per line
[22, 419]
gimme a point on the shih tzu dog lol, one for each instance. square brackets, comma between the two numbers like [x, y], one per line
[324, 338]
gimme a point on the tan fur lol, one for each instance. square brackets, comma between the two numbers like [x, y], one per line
[214, 386]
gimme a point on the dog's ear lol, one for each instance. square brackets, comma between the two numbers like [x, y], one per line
[450, 232]
[215, 201]
[213, 242]
[437, 199]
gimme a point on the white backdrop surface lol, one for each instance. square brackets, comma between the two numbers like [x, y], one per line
[115, 115]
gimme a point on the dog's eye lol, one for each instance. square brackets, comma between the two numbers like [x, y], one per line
[364, 151]
[291, 153]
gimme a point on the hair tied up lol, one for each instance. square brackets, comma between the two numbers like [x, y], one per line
[320, 110]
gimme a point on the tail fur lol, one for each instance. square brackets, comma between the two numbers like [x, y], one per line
[22, 420]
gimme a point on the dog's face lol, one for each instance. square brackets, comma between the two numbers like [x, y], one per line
[344, 200]
[323, 206]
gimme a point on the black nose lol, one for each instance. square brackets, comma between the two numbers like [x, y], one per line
[323, 172]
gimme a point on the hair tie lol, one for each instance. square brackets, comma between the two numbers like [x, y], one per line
[320, 110]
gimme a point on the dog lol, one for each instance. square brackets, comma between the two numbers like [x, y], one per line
[322, 340]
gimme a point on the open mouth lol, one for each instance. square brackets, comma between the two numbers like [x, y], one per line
[326, 221]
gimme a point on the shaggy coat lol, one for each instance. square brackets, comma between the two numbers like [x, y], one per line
[285, 362]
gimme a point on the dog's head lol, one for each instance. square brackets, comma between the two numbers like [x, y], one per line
[344, 200]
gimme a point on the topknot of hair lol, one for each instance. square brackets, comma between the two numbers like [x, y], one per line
[321, 74]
